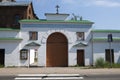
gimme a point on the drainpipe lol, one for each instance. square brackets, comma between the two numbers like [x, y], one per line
[28, 58]
[92, 48]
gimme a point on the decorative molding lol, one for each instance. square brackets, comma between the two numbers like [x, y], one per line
[47, 34]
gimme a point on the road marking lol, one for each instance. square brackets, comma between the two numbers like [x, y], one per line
[62, 78]
[64, 75]
[28, 78]
[32, 75]
[48, 77]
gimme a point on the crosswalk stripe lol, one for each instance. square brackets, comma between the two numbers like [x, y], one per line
[30, 78]
[32, 75]
[61, 75]
[48, 77]
[66, 78]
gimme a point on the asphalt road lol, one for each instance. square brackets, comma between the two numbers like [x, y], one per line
[102, 77]
[7, 77]
[86, 77]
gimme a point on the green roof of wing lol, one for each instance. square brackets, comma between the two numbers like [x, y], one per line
[105, 39]
[9, 29]
[10, 39]
[105, 31]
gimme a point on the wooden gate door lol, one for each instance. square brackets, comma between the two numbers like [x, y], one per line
[57, 50]
[107, 55]
[2, 56]
[80, 57]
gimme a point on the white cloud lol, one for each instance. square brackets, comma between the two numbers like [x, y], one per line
[68, 1]
[101, 3]
[106, 3]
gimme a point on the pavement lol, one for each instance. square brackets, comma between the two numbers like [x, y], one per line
[58, 70]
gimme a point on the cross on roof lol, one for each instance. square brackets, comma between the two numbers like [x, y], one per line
[57, 7]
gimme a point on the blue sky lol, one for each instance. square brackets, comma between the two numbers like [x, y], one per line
[105, 13]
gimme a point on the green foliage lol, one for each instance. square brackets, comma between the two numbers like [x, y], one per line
[107, 65]
[100, 63]
[36, 59]
[117, 65]
[11, 66]
[1, 66]
[76, 65]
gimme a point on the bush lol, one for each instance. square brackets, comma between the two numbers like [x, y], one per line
[117, 65]
[100, 63]
[1, 66]
[107, 65]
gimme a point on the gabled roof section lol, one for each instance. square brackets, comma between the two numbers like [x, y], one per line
[33, 44]
[18, 3]
[78, 44]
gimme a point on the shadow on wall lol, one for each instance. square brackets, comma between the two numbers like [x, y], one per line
[118, 60]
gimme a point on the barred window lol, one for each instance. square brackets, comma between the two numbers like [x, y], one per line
[33, 35]
[80, 35]
[24, 54]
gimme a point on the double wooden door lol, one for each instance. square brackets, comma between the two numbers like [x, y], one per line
[57, 50]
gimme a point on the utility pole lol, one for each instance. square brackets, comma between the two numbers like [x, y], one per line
[110, 40]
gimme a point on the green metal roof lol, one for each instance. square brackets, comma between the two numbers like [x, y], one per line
[10, 39]
[106, 31]
[58, 21]
[9, 29]
[105, 39]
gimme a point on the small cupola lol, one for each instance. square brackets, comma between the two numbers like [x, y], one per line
[57, 15]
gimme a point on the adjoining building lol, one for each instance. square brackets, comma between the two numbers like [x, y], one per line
[110, 51]
[11, 12]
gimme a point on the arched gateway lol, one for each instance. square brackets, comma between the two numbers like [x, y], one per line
[57, 50]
